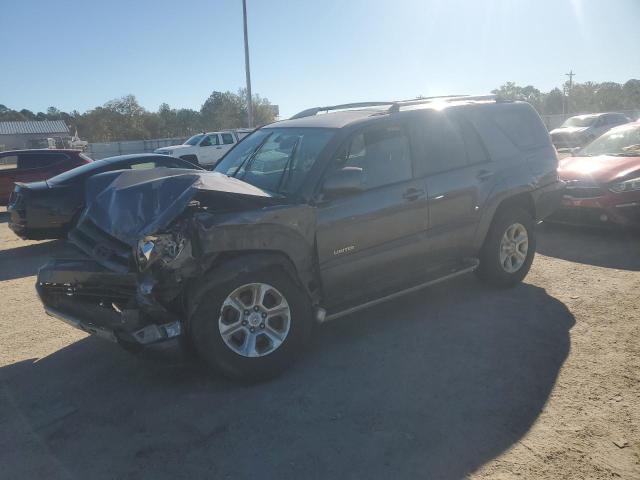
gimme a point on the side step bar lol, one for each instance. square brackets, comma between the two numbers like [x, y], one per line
[323, 317]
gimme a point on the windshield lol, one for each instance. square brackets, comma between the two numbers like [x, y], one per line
[579, 121]
[276, 159]
[621, 141]
[195, 140]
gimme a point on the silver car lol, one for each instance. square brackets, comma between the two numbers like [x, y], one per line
[582, 129]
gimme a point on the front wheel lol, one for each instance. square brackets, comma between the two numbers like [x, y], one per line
[253, 326]
[509, 248]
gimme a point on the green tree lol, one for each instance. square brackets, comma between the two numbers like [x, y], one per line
[631, 94]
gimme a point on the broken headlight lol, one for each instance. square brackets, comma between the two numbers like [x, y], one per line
[164, 247]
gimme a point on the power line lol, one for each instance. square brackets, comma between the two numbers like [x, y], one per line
[569, 87]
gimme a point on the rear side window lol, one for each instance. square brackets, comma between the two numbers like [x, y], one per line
[142, 166]
[522, 126]
[227, 138]
[172, 163]
[442, 144]
[383, 154]
[476, 151]
[617, 119]
[39, 160]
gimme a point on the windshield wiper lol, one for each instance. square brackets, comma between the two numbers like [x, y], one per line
[250, 158]
[287, 167]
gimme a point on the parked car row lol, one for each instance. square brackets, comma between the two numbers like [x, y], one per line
[51, 207]
[34, 165]
[603, 180]
[582, 129]
[309, 219]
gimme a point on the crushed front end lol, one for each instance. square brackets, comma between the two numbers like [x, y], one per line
[138, 247]
[98, 290]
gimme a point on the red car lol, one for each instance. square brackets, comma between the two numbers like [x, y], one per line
[603, 180]
[33, 165]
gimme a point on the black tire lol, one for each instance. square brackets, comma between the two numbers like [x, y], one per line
[208, 341]
[191, 159]
[491, 269]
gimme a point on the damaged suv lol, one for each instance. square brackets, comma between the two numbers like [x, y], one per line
[306, 220]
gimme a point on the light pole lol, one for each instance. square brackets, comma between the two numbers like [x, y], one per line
[246, 64]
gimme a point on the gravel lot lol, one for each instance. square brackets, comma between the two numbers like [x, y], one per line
[459, 380]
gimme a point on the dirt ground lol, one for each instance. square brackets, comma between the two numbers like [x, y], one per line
[460, 380]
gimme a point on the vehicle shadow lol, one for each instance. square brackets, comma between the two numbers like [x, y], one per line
[4, 216]
[610, 248]
[25, 260]
[432, 385]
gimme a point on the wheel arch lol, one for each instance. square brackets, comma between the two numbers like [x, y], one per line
[519, 198]
[229, 264]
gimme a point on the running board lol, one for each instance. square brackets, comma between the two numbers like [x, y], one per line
[321, 313]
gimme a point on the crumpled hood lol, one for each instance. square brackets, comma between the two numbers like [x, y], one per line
[601, 169]
[130, 204]
[568, 130]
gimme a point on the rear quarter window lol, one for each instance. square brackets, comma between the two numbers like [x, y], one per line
[522, 126]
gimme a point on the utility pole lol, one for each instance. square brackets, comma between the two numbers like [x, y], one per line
[246, 64]
[569, 87]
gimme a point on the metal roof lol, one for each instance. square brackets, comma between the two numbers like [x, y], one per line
[33, 126]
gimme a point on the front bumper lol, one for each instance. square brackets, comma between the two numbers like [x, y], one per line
[621, 210]
[107, 304]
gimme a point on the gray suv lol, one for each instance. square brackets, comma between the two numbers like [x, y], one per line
[306, 220]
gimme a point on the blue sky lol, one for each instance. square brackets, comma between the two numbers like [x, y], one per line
[80, 54]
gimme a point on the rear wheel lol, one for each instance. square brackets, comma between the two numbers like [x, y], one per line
[509, 248]
[253, 326]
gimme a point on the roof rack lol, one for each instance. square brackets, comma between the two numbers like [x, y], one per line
[445, 98]
[310, 112]
[396, 105]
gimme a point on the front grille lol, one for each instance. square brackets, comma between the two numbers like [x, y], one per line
[585, 192]
[102, 247]
[583, 189]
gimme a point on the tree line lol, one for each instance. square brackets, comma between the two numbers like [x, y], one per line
[125, 119]
[587, 97]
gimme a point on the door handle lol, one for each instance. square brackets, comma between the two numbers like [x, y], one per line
[484, 174]
[412, 194]
[218, 148]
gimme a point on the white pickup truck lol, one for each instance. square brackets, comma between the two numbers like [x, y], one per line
[205, 149]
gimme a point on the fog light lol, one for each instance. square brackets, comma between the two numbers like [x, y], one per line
[603, 218]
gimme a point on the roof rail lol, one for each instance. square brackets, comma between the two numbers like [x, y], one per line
[396, 105]
[310, 112]
[445, 98]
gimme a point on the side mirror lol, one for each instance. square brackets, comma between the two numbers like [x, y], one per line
[344, 181]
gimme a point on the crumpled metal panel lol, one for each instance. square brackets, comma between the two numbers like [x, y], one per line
[131, 204]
